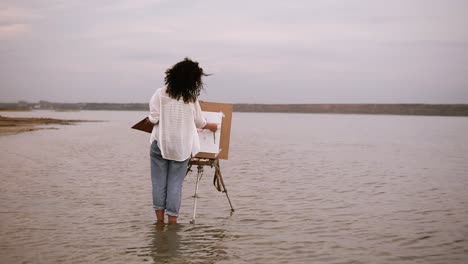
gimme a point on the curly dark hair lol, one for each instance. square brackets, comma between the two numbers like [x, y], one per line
[184, 80]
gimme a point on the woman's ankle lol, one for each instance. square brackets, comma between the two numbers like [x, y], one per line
[172, 219]
[160, 215]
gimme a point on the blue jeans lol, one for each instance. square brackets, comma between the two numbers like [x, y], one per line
[167, 177]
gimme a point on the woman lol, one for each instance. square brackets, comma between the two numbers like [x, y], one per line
[176, 115]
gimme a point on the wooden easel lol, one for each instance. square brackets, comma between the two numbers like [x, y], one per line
[217, 180]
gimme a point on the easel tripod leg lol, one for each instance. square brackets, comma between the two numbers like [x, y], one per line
[195, 196]
[225, 191]
[220, 177]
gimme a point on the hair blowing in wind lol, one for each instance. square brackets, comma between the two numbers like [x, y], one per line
[184, 80]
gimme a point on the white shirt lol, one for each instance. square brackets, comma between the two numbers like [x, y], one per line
[175, 126]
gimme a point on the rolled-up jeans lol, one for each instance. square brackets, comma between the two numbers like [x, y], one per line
[167, 177]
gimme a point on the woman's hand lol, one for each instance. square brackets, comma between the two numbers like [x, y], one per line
[149, 122]
[211, 126]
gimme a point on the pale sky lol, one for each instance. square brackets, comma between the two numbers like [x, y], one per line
[259, 51]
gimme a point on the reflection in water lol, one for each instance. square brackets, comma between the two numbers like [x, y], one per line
[178, 243]
[165, 243]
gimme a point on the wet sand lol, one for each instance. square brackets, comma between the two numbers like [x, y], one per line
[15, 125]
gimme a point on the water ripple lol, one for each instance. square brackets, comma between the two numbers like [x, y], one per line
[373, 192]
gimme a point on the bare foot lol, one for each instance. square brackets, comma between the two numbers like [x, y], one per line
[159, 215]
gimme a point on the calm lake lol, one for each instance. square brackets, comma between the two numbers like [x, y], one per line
[307, 188]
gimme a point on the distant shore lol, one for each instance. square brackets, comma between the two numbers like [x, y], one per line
[15, 125]
[378, 109]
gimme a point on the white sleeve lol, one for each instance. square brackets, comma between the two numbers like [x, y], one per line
[154, 106]
[200, 121]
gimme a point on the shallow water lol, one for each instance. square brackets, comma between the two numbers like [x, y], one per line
[306, 188]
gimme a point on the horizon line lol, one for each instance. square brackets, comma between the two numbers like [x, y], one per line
[56, 102]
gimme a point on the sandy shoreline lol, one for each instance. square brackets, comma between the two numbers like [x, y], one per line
[15, 125]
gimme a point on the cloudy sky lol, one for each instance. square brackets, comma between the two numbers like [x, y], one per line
[262, 51]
